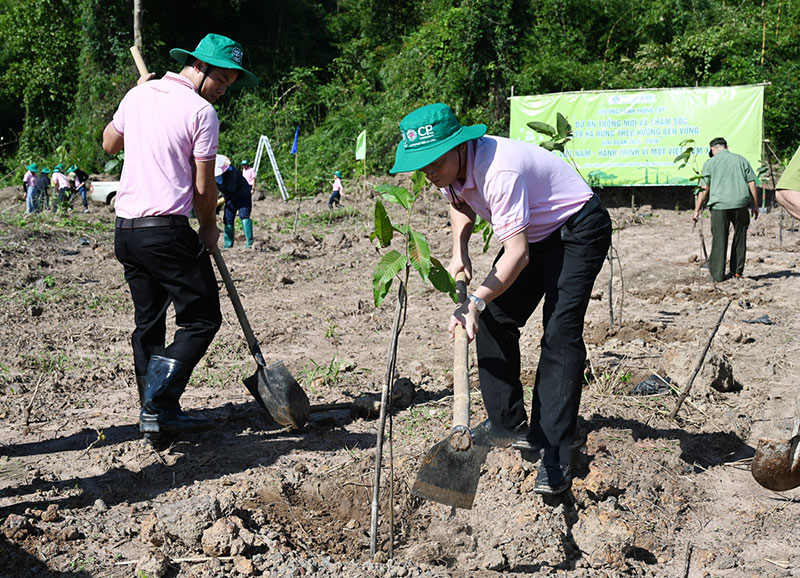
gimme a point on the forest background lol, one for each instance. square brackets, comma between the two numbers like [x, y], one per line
[337, 67]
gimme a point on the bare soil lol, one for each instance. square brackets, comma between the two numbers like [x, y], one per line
[80, 495]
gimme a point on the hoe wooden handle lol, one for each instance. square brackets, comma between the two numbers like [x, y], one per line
[461, 363]
[137, 58]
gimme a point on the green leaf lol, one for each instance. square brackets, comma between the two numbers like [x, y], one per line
[397, 195]
[683, 157]
[385, 270]
[542, 128]
[563, 126]
[383, 226]
[548, 145]
[420, 253]
[419, 183]
[110, 165]
[442, 280]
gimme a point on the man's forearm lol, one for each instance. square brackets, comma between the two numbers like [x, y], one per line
[463, 222]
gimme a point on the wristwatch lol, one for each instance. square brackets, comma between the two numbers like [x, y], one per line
[480, 304]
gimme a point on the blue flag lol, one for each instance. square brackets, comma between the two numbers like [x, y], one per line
[294, 145]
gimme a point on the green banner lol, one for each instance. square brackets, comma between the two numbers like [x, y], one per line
[631, 137]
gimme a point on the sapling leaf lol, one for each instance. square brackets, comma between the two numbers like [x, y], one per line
[442, 280]
[385, 270]
[484, 227]
[563, 126]
[397, 195]
[420, 253]
[419, 182]
[542, 128]
[548, 145]
[383, 226]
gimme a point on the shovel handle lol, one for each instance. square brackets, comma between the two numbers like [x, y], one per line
[252, 343]
[137, 58]
[461, 363]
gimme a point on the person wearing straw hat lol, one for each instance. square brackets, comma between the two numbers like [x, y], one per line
[555, 235]
[29, 184]
[170, 132]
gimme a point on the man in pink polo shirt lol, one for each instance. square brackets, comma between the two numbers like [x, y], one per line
[169, 130]
[555, 235]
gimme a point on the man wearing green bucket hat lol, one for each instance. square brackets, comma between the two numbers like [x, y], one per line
[170, 132]
[555, 235]
[336, 193]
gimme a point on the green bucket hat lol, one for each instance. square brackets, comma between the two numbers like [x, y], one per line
[58, 168]
[45, 170]
[72, 168]
[245, 162]
[428, 133]
[337, 174]
[222, 52]
[32, 167]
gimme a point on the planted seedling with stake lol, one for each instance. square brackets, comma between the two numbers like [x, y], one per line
[396, 265]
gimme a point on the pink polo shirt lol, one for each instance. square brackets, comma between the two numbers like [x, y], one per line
[166, 124]
[520, 186]
[30, 179]
[60, 181]
[249, 175]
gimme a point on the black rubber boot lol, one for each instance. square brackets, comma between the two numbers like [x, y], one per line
[141, 384]
[166, 381]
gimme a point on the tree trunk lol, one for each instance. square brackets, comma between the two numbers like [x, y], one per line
[137, 24]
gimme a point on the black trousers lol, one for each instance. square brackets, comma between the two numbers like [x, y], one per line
[163, 265]
[562, 269]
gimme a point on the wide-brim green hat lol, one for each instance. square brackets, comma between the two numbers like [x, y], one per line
[428, 133]
[72, 168]
[337, 174]
[45, 170]
[222, 52]
[32, 167]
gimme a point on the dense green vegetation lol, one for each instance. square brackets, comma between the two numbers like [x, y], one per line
[335, 67]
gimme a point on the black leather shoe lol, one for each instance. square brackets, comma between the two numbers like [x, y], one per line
[552, 479]
[525, 445]
[485, 433]
[555, 475]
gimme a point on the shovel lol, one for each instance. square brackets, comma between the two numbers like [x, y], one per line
[776, 465]
[451, 468]
[274, 388]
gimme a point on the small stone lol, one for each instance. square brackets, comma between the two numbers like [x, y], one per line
[153, 565]
[99, 506]
[243, 565]
[51, 515]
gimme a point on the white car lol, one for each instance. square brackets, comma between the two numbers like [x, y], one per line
[104, 192]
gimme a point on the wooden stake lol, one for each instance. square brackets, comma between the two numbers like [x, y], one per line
[700, 362]
[390, 366]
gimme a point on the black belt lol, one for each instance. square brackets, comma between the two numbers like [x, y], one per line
[161, 221]
[587, 208]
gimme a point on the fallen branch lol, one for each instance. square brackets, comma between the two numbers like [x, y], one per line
[700, 362]
[180, 560]
[27, 413]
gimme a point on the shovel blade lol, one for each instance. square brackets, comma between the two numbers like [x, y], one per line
[449, 475]
[775, 465]
[277, 391]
